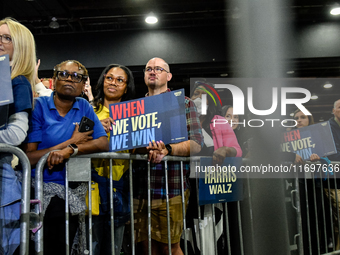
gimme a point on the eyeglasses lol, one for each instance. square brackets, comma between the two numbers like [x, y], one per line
[76, 77]
[157, 69]
[5, 39]
[118, 80]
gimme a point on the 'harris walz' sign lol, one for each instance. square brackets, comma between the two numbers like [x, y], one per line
[305, 141]
[219, 184]
[160, 117]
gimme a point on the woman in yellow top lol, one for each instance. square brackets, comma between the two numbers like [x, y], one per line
[115, 84]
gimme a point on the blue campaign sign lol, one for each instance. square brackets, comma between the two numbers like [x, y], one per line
[139, 121]
[6, 95]
[220, 184]
[316, 138]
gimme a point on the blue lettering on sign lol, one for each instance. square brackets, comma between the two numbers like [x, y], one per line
[143, 136]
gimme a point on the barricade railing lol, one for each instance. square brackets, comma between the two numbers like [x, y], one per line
[84, 171]
[25, 200]
[318, 210]
[80, 166]
[74, 165]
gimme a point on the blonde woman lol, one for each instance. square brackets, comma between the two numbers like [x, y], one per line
[17, 42]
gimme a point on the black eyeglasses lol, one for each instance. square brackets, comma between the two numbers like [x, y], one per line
[157, 69]
[120, 81]
[5, 39]
[76, 77]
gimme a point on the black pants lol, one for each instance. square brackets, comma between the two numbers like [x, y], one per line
[54, 228]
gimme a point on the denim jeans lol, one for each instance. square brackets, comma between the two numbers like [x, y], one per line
[10, 195]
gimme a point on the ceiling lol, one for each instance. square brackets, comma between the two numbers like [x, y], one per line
[107, 15]
[82, 16]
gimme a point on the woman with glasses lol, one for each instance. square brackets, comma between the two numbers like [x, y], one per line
[17, 42]
[54, 128]
[115, 84]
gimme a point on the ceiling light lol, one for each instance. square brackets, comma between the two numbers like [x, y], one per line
[314, 97]
[151, 18]
[327, 85]
[335, 11]
[223, 74]
[54, 24]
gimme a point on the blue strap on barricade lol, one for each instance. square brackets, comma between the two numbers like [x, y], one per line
[326, 161]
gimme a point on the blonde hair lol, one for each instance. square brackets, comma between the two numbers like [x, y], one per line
[24, 56]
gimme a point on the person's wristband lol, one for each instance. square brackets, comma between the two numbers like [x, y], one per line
[169, 148]
[75, 149]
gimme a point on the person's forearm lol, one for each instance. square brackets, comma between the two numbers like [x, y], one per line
[98, 145]
[194, 147]
[36, 155]
[230, 151]
[16, 131]
[184, 148]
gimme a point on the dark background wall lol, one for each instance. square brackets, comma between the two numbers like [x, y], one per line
[180, 46]
[133, 48]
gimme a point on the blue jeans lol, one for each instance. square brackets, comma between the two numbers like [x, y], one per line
[10, 196]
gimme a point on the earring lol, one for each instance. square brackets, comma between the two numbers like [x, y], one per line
[82, 93]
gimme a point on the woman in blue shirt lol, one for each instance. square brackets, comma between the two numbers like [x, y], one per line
[54, 126]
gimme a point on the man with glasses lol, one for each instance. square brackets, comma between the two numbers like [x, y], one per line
[156, 76]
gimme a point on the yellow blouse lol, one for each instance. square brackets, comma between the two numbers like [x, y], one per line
[102, 166]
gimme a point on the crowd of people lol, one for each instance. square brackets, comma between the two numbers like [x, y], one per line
[44, 118]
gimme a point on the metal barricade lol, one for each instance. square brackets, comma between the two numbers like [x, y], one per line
[78, 169]
[318, 210]
[319, 221]
[73, 165]
[25, 200]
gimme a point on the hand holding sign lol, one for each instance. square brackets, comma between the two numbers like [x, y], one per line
[107, 124]
[157, 151]
[314, 157]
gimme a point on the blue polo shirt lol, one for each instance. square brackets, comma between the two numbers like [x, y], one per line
[48, 129]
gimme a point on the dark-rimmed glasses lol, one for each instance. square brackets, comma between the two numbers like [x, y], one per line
[120, 81]
[5, 39]
[157, 69]
[76, 77]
